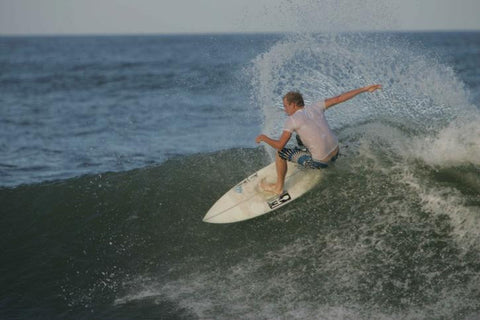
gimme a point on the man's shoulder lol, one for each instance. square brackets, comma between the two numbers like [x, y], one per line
[319, 105]
[297, 113]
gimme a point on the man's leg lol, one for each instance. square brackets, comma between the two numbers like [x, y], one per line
[277, 187]
[281, 165]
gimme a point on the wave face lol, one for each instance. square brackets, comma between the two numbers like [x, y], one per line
[380, 238]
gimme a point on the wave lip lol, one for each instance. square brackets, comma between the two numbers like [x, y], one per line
[455, 145]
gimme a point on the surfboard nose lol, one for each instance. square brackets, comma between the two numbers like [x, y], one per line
[217, 214]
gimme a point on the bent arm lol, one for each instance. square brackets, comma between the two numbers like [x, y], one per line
[276, 144]
[349, 95]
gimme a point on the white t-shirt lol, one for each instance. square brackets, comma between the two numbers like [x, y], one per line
[312, 127]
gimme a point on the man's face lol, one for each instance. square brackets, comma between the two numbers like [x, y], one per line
[289, 107]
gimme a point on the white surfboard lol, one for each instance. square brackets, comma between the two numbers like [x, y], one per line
[246, 200]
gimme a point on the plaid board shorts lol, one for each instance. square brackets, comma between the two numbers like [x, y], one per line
[303, 157]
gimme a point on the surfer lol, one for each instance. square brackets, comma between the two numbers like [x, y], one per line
[318, 144]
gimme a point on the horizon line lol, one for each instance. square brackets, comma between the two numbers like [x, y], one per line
[206, 33]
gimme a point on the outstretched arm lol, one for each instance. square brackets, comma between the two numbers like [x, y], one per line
[349, 95]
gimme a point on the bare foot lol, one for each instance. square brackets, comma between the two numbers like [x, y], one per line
[270, 187]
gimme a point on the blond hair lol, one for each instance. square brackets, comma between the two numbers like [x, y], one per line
[295, 97]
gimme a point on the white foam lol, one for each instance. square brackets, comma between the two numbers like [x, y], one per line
[394, 153]
[456, 144]
[256, 288]
[450, 202]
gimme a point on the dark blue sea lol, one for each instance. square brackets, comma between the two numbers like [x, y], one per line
[113, 148]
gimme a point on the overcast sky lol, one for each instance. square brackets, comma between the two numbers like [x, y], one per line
[207, 16]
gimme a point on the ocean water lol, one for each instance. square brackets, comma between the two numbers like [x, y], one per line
[112, 149]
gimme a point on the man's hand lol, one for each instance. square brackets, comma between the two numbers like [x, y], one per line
[373, 87]
[260, 138]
